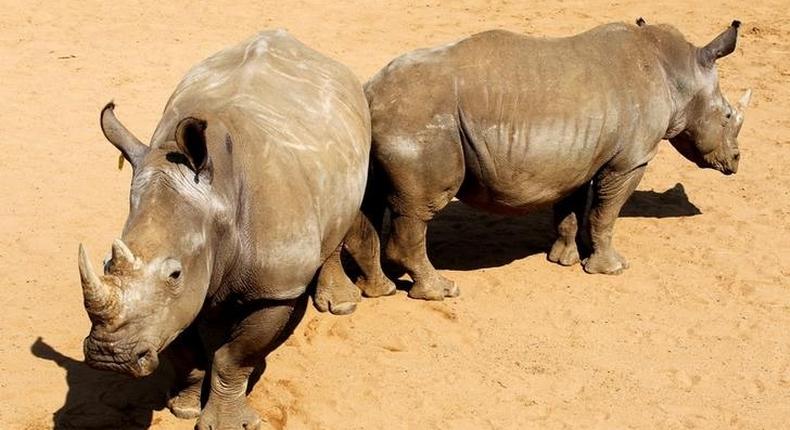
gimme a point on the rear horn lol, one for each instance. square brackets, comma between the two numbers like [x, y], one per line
[121, 254]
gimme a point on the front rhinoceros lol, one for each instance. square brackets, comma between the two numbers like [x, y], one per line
[252, 178]
[509, 123]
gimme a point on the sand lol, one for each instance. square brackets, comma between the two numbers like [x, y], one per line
[694, 335]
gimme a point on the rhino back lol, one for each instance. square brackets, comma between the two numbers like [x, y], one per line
[538, 116]
[300, 139]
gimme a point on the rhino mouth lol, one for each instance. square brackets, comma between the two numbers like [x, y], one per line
[137, 360]
[721, 160]
[726, 164]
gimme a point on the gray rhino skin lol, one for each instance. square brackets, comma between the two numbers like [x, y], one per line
[253, 176]
[509, 123]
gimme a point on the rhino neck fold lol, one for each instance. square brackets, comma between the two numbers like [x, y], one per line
[678, 60]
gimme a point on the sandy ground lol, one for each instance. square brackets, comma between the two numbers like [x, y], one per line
[694, 335]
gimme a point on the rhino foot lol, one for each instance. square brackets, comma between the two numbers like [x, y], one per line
[563, 253]
[186, 404]
[338, 295]
[435, 288]
[609, 263]
[228, 417]
[376, 288]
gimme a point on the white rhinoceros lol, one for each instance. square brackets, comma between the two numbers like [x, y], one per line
[252, 178]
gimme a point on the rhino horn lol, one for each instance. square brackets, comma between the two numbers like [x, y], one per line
[722, 45]
[743, 103]
[121, 254]
[99, 300]
[131, 147]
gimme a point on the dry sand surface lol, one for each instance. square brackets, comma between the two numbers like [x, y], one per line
[694, 335]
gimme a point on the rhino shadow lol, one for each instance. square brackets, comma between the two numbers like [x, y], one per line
[672, 203]
[104, 400]
[464, 238]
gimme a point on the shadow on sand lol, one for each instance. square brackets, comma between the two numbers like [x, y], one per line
[464, 238]
[104, 400]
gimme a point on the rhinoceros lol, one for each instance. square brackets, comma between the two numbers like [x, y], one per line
[509, 123]
[252, 178]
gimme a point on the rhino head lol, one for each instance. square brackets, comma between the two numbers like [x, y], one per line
[156, 280]
[710, 125]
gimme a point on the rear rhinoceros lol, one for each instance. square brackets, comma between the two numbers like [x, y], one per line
[252, 178]
[509, 123]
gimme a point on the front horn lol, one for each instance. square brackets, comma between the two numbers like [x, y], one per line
[99, 300]
[131, 147]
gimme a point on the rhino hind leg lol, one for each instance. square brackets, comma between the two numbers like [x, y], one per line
[407, 248]
[363, 243]
[424, 172]
[611, 189]
[568, 217]
[334, 291]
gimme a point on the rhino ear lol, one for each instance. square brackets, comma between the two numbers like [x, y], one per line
[191, 140]
[131, 147]
[722, 45]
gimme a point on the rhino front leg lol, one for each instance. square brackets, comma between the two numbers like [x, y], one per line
[611, 189]
[187, 357]
[250, 341]
[568, 216]
[185, 403]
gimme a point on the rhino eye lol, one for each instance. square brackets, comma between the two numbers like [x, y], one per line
[175, 275]
[729, 115]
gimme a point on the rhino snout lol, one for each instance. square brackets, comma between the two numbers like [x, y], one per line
[730, 166]
[137, 361]
[146, 361]
[733, 167]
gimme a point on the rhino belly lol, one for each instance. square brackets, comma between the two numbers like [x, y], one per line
[515, 195]
[523, 171]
